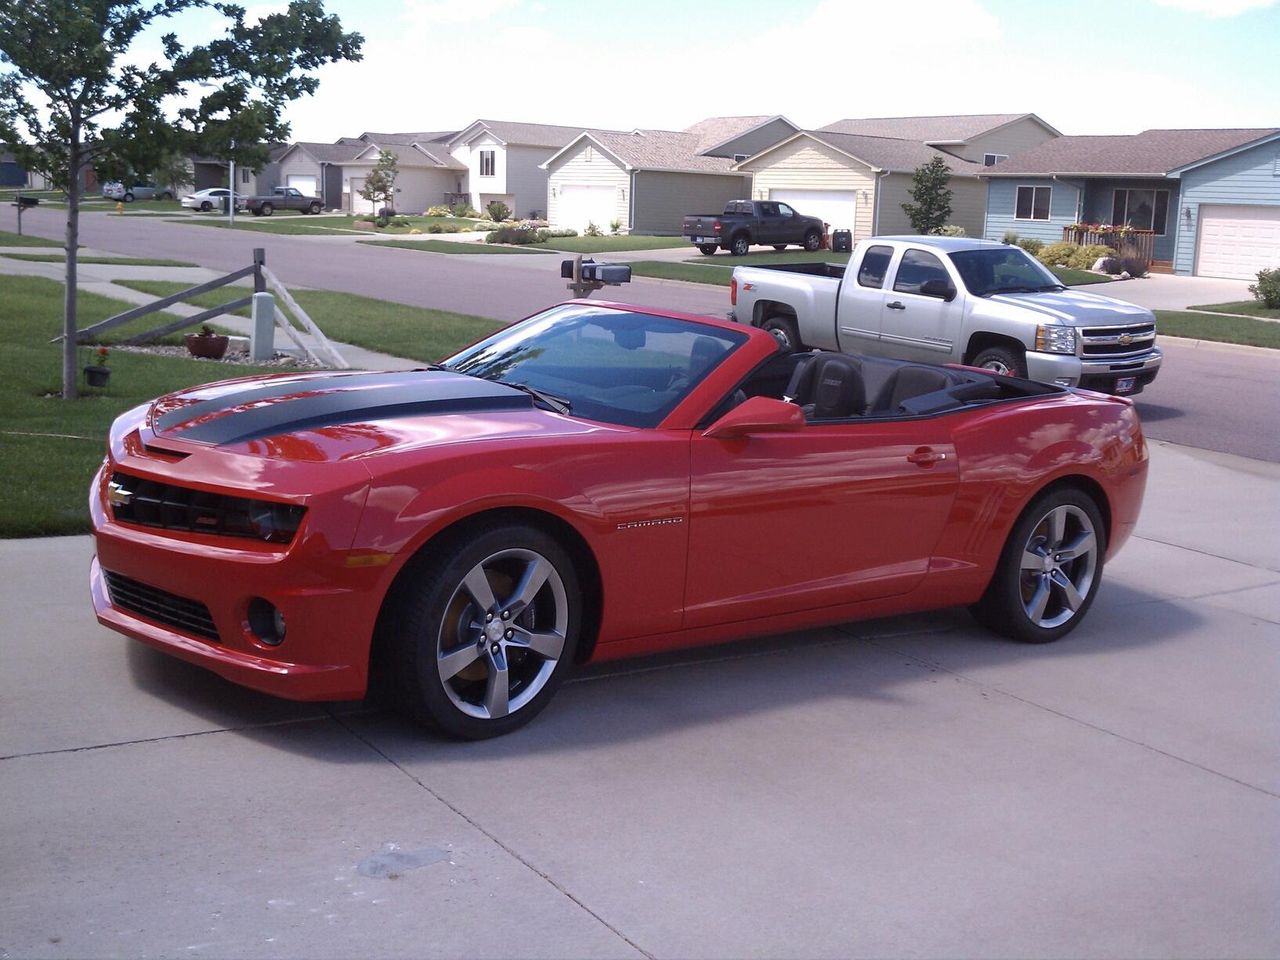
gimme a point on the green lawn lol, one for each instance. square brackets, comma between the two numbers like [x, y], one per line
[1203, 326]
[8, 239]
[690, 272]
[296, 223]
[1252, 308]
[393, 328]
[611, 244]
[50, 448]
[450, 246]
[778, 256]
[134, 207]
[116, 261]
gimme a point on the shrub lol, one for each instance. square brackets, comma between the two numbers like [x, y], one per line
[1055, 254]
[1011, 237]
[1112, 265]
[498, 211]
[615, 226]
[439, 210]
[1030, 244]
[435, 228]
[1085, 257]
[551, 234]
[1135, 266]
[950, 230]
[513, 234]
[464, 210]
[1267, 290]
[486, 225]
[592, 230]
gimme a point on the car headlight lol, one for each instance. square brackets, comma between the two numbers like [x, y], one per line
[1052, 338]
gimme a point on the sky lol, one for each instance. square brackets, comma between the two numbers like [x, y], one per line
[1083, 66]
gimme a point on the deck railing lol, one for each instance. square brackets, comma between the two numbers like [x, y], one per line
[1126, 242]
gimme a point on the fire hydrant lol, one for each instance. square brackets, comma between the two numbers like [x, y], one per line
[119, 207]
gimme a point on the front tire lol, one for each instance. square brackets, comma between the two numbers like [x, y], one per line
[127, 198]
[266, 210]
[708, 249]
[813, 241]
[1005, 361]
[740, 245]
[314, 208]
[205, 206]
[1049, 570]
[485, 631]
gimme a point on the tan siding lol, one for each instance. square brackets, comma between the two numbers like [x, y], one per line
[1011, 140]
[526, 180]
[806, 165]
[754, 141]
[416, 187]
[968, 204]
[895, 190]
[600, 170]
[298, 164]
[663, 199]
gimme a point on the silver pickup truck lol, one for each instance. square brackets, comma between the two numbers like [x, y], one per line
[953, 300]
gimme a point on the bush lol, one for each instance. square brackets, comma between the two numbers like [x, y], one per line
[464, 210]
[1011, 237]
[1055, 254]
[1267, 289]
[615, 226]
[513, 234]
[1135, 266]
[950, 230]
[1085, 257]
[445, 228]
[1030, 244]
[1112, 266]
[498, 211]
[439, 210]
[552, 234]
[592, 230]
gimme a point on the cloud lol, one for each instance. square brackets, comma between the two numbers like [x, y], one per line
[429, 12]
[1216, 8]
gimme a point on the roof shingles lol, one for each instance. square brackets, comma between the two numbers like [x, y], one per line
[1150, 153]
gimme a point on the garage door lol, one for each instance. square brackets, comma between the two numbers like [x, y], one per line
[1237, 242]
[581, 204]
[358, 203]
[836, 207]
[306, 184]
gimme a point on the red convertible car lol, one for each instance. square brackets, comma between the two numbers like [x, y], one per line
[593, 482]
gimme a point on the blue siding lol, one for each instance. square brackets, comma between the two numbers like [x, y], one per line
[12, 175]
[1099, 195]
[1002, 199]
[1251, 177]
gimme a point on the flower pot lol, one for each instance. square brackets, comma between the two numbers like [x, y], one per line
[210, 348]
[97, 376]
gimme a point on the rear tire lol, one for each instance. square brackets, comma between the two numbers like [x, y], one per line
[1002, 360]
[813, 241]
[783, 329]
[167, 195]
[708, 249]
[1049, 571]
[779, 246]
[128, 198]
[205, 206]
[740, 245]
[483, 630]
[266, 210]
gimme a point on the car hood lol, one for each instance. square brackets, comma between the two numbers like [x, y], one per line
[1075, 308]
[344, 416]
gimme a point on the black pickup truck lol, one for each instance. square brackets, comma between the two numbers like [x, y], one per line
[745, 222]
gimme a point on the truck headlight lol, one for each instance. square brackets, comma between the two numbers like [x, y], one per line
[1052, 338]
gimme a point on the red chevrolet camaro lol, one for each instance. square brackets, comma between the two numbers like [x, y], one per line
[594, 482]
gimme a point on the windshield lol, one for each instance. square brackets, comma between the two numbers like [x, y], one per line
[605, 364]
[1002, 270]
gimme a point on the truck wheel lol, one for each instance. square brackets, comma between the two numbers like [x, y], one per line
[707, 249]
[740, 245]
[266, 209]
[783, 330]
[779, 246]
[1002, 360]
[314, 208]
[812, 241]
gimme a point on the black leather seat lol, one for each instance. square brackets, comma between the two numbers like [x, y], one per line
[905, 383]
[828, 386]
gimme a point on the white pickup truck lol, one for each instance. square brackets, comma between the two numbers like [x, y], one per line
[953, 300]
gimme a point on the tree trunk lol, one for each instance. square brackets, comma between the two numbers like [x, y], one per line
[70, 388]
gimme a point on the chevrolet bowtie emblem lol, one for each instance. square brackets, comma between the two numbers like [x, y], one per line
[118, 495]
[1126, 339]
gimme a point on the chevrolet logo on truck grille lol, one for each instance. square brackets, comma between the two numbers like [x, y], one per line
[1125, 339]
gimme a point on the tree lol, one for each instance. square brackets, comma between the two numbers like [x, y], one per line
[173, 170]
[380, 185]
[932, 197]
[75, 96]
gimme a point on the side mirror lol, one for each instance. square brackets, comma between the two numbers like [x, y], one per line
[757, 415]
[937, 287]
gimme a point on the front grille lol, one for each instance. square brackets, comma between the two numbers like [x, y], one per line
[189, 616]
[1106, 341]
[150, 503]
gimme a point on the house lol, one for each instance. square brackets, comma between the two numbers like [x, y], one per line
[212, 172]
[647, 180]
[428, 174]
[1210, 199]
[856, 173]
[12, 173]
[318, 170]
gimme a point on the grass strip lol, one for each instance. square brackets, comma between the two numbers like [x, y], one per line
[611, 244]
[110, 261]
[450, 246]
[1204, 326]
[8, 239]
[690, 272]
[1250, 308]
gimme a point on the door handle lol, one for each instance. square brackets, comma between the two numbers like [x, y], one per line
[896, 305]
[925, 457]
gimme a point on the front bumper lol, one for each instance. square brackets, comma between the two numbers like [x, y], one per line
[1100, 375]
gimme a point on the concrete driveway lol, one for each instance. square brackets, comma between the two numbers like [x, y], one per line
[912, 787]
[1159, 291]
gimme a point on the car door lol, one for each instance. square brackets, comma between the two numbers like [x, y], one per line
[914, 326]
[767, 223]
[833, 513]
[861, 301]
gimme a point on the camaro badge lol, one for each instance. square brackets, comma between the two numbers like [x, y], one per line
[118, 495]
[661, 522]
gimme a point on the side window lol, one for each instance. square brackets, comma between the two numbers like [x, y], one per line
[785, 211]
[916, 267]
[768, 209]
[875, 264]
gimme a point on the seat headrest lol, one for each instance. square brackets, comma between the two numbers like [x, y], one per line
[838, 390]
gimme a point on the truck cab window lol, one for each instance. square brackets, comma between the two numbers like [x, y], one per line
[916, 267]
[785, 211]
[875, 264]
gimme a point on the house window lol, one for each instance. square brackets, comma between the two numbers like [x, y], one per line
[1142, 209]
[244, 174]
[739, 157]
[1033, 203]
[588, 154]
[487, 163]
[991, 159]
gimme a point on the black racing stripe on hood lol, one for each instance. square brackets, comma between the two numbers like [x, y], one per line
[308, 411]
[274, 388]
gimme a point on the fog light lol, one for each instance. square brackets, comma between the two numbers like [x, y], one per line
[266, 621]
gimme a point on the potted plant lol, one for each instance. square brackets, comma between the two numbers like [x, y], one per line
[97, 373]
[208, 343]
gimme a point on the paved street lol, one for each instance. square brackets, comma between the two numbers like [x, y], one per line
[910, 787]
